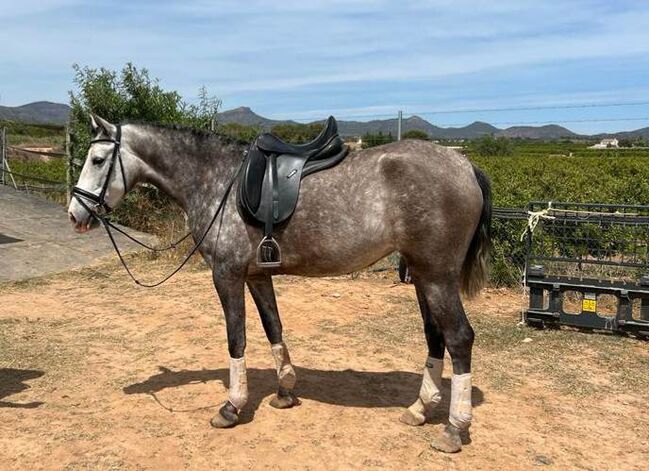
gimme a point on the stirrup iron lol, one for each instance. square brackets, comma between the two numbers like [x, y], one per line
[269, 255]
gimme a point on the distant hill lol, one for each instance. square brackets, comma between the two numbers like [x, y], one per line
[642, 132]
[244, 115]
[548, 132]
[45, 112]
[39, 112]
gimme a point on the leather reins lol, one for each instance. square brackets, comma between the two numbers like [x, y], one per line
[99, 209]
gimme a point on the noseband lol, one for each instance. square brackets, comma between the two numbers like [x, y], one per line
[99, 206]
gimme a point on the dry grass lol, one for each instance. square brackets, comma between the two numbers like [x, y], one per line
[359, 347]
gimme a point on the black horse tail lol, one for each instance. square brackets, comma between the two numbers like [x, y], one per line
[475, 270]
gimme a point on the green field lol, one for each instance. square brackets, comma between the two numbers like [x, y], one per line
[26, 135]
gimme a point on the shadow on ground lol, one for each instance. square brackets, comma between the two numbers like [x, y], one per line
[12, 381]
[347, 388]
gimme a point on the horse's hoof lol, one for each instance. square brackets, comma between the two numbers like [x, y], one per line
[448, 441]
[411, 418]
[285, 401]
[226, 417]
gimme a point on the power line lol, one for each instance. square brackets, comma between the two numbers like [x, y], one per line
[489, 110]
[537, 108]
[567, 121]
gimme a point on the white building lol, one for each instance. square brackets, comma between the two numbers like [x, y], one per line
[605, 144]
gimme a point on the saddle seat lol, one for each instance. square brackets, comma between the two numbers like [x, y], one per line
[268, 142]
[269, 184]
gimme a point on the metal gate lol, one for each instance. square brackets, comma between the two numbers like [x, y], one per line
[587, 266]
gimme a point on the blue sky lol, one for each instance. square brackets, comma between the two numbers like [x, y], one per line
[354, 58]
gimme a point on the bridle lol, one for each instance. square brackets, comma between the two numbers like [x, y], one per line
[99, 201]
[98, 208]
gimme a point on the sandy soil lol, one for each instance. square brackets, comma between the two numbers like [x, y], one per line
[98, 374]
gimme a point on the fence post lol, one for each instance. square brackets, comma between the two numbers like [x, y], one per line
[399, 120]
[69, 168]
[5, 163]
[2, 155]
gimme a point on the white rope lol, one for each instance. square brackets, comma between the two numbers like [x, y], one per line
[534, 218]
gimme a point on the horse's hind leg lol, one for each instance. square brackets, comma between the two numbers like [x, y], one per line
[431, 384]
[263, 293]
[446, 310]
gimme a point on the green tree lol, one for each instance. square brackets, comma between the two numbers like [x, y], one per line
[240, 131]
[626, 142]
[131, 95]
[415, 134]
[297, 133]
[489, 146]
[371, 140]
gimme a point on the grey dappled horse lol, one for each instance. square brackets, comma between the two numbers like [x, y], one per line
[425, 201]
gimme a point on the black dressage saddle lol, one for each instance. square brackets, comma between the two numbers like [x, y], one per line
[269, 185]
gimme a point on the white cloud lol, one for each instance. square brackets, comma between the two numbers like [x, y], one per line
[260, 46]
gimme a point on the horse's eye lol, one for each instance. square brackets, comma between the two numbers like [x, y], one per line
[98, 160]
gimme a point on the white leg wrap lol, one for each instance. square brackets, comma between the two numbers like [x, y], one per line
[238, 393]
[430, 391]
[460, 414]
[285, 372]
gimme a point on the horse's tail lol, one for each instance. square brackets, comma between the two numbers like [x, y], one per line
[475, 270]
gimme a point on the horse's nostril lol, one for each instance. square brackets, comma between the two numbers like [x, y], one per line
[72, 218]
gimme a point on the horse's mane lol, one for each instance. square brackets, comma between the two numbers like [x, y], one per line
[200, 134]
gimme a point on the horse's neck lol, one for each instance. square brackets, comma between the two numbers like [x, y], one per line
[186, 166]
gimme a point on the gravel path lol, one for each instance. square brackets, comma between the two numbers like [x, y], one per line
[36, 239]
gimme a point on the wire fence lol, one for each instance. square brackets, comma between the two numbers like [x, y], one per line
[29, 182]
[589, 241]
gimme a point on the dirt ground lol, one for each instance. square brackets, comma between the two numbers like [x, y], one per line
[96, 373]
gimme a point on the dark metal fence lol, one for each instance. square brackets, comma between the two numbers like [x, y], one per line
[588, 266]
[604, 242]
[508, 253]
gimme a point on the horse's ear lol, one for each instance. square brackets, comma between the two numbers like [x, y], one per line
[99, 124]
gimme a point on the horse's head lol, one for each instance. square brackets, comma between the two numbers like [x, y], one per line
[104, 178]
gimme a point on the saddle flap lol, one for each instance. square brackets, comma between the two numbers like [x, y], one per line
[289, 172]
[269, 186]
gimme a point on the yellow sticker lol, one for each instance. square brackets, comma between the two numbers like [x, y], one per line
[589, 305]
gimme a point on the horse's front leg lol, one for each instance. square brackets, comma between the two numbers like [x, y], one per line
[230, 288]
[261, 288]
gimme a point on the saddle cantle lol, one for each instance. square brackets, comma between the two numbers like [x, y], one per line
[269, 185]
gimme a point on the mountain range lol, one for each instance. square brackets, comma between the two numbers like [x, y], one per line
[39, 112]
[45, 112]
[244, 115]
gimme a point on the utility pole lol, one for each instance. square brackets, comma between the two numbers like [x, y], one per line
[399, 125]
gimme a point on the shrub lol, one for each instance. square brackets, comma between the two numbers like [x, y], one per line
[132, 95]
[297, 133]
[371, 140]
[415, 134]
[488, 146]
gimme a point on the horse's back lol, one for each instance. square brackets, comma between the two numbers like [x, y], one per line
[376, 201]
